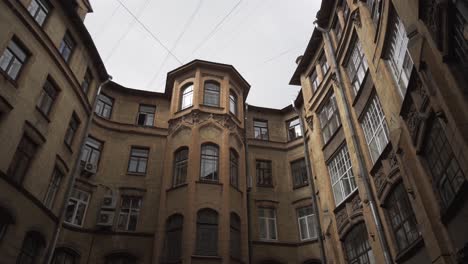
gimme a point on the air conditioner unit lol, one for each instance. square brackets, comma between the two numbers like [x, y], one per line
[89, 169]
[108, 202]
[106, 218]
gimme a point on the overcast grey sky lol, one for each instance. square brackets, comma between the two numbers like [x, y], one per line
[260, 38]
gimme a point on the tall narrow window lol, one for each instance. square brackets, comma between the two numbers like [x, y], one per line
[173, 243]
[48, 95]
[39, 9]
[233, 103]
[399, 58]
[76, 207]
[324, 64]
[180, 166]
[65, 256]
[264, 173]
[329, 118]
[260, 129]
[52, 190]
[235, 236]
[234, 168]
[306, 221]
[294, 129]
[338, 30]
[209, 163]
[460, 36]
[13, 59]
[207, 233]
[375, 128]
[299, 173]
[401, 218]
[104, 106]
[32, 246]
[374, 7]
[22, 159]
[67, 46]
[211, 93]
[357, 247]
[186, 99]
[314, 81]
[341, 174]
[71, 130]
[92, 151]
[443, 165]
[87, 80]
[129, 212]
[357, 67]
[138, 160]
[267, 223]
[146, 115]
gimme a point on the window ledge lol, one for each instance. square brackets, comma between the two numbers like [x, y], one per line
[177, 187]
[408, 252]
[332, 137]
[346, 200]
[300, 186]
[136, 174]
[209, 182]
[308, 241]
[43, 114]
[212, 106]
[265, 186]
[294, 139]
[171, 261]
[183, 110]
[206, 257]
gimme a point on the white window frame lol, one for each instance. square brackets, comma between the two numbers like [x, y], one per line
[266, 221]
[133, 210]
[52, 190]
[77, 205]
[186, 100]
[357, 67]
[309, 229]
[341, 170]
[314, 81]
[373, 123]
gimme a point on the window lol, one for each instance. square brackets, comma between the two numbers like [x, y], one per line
[66, 46]
[104, 106]
[32, 246]
[187, 96]
[47, 98]
[401, 218]
[121, 259]
[443, 165]
[357, 247]
[235, 236]
[294, 129]
[399, 58]
[299, 173]
[138, 160]
[314, 81]
[234, 168]
[264, 177]
[374, 7]
[39, 9]
[76, 207]
[338, 30]
[64, 256]
[329, 118]
[129, 212]
[459, 38]
[357, 67]
[87, 80]
[71, 130]
[173, 243]
[209, 163]
[5, 220]
[22, 159]
[146, 115]
[375, 128]
[180, 166]
[91, 151]
[260, 129]
[233, 103]
[52, 190]
[211, 96]
[306, 222]
[207, 233]
[346, 9]
[341, 175]
[324, 64]
[13, 59]
[267, 223]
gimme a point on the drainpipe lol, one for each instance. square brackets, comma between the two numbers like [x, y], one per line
[71, 182]
[318, 227]
[249, 185]
[365, 176]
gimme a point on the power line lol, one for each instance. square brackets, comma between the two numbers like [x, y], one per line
[149, 32]
[104, 25]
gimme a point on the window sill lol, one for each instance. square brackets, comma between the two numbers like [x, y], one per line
[265, 186]
[294, 139]
[46, 117]
[346, 200]
[195, 256]
[408, 252]
[177, 187]
[209, 182]
[300, 186]
[183, 110]
[308, 241]
[136, 174]
[212, 106]
[171, 261]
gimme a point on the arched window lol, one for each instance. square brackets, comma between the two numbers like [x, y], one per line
[180, 166]
[65, 256]
[235, 236]
[232, 103]
[234, 168]
[209, 162]
[211, 93]
[186, 100]
[207, 233]
[121, 258]
[357, 247]
[5, 220]
[33, 244]
[173, 243]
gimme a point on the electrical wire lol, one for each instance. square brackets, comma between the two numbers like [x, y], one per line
[104, 25]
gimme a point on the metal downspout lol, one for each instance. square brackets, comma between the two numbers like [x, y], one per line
[249, 185]
[363, 172]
